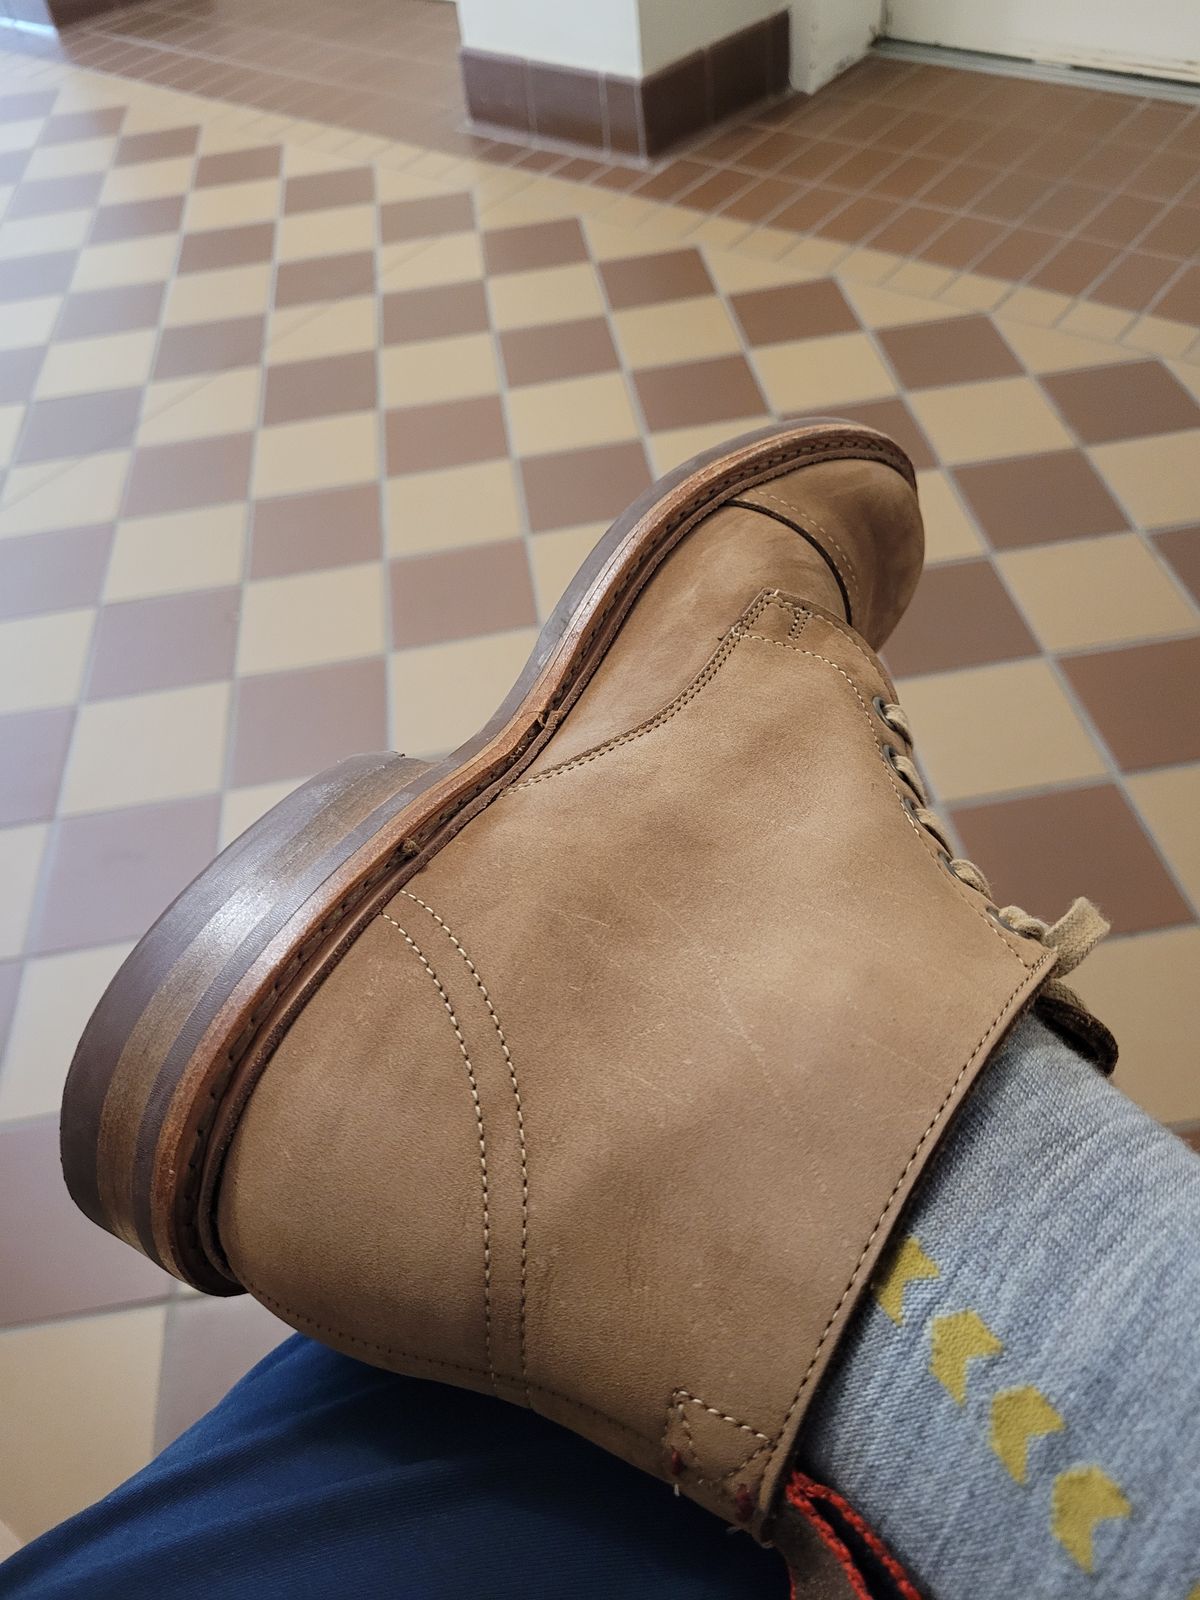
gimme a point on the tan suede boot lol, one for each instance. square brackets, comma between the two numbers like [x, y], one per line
[592, 1065]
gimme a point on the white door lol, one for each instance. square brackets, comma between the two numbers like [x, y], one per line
[1160, 38]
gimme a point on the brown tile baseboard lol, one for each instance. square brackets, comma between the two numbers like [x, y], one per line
[52, 13]
[629, 116]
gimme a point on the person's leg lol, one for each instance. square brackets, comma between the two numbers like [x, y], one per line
[319, 1477]
[1017, 1408]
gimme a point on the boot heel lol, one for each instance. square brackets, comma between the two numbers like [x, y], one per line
[171, 1052]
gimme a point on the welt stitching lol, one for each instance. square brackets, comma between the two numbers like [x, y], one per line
[394, 1351]
[701, 681]
[890, 1203]
[512, 1076]
[849, 577]
[487, 1232]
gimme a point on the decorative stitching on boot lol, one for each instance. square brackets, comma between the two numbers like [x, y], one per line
[512, 1076]
[487, 1232]
[849, 577]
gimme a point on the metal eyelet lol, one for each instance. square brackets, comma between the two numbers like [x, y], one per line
[879, 706]
[890, 755]
[946, 861]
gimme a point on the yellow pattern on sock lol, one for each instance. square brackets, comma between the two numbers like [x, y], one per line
[1019, 1415]
[1080, 1498]
[1195, 1594]
[906, 1263]
[956, 1339]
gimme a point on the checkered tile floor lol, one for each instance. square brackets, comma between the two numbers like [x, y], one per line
[304, 434]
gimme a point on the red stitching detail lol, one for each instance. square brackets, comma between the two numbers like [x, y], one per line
[822, 1491]
[828, 1538]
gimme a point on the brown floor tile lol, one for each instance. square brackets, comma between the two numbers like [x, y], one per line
[80, 424]
[19, 370]
[894, 418]
[307, 532]
[534, 245]
[159, 144]
[1143, 700]
[209, 347]
[30, 103]
[12, 165]
[1128, 400]
[810, 208]
[761, 200]
[228, 247]
[1176, 233]
[794, 311]
[198, 472]
[1038, 499]
[575, 486]
[90, 313]
[956, 350]
[689, 393]
[238, 166]
[69, 126]
[911, 231]
[441, 312]
[325, 278]
[1182, 299]
[649, 280]
[38, 197]
[960, 243]
[1135, 281]
[26, 277]
[1017, 254]
[53, 571]
[110, 873]
[1062, 209]
[1073, 266]
[136, 219]
[860, 219]
[561, 350]
[1181, 549]
[293, 724]
[1120, 219]
[323, 387]
[449, 434]
[1042, 851]
[164, 642]
[961, 616]
[57, 1263]
[427, 218]
[315, 191]
[461, 594]
[209, 1345]
[33, 752]
[1165, 175]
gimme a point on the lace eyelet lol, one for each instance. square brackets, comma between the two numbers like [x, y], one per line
[946, 862]
[879, 706]
[890, 755]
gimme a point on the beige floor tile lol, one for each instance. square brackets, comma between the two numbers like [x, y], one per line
[978, 421]
[814, 374]
[107, 266]
[49, 495]
[20, 860]
[83, 366]
[1096, 591]
[11, 418]
[814, 257]
[42, 659]
[1161, 336]
[145, 747]
[572, 413]
[555, 294]
[337, 231]
[20, 135]
[57, 996]
[1053, 350]
[317, 455]
[297, 333]
[1188, 373]
[26, 322]
[735, 273]
[676, 445]
[974, 291]
[1156, 479]
[1092, 320]
[42, 235]
[73, 156]
[233, 205]
[453, 259]
[438, 369]
[172, 554]
[881, 307]
[867, 266]
[301, 621]
[1143, 988]
[949, 530]
[214, 296]
[997, 729]
[556, 557]
[1041, 306]
[147, 180]
[78, 1416]
[443, 693]
[444, 510]
[653, 336]
[241, 807]
[1170, 802]
[10, 1543]
[201, 408]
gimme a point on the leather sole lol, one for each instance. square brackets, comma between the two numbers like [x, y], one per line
[187, 1025]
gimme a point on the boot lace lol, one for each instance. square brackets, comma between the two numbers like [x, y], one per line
[1076, 933]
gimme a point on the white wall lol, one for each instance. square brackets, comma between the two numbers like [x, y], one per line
[828, 36]
[674, 28]
[604, 35]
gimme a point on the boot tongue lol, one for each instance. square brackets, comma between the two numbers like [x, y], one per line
[1073, 938]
